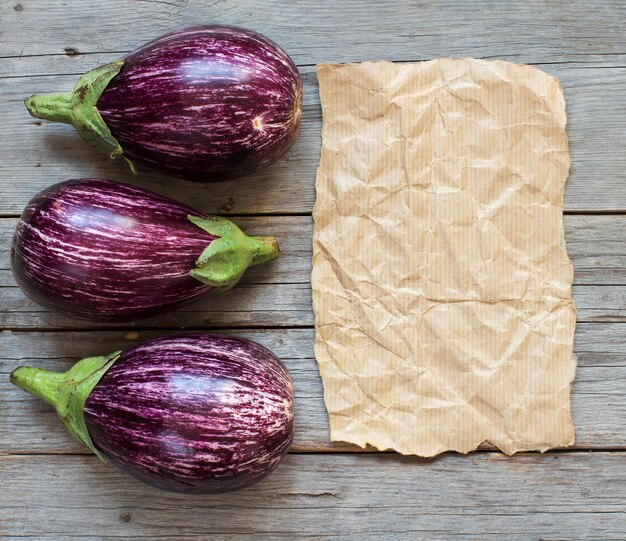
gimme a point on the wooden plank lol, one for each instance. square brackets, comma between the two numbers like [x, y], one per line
[37, 154]
[74, 65]
[250, 305]
[294, 235]
[314, 31]
[594, 243]
[278, 294]
[27, 425]
[485, 496]
[258, 305]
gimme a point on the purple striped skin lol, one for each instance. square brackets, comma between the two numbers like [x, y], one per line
[193, 413]
[205, 103]
[101, 250]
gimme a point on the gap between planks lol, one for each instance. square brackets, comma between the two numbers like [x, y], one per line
[576, 212]
[192, 328]
[593, 63]
[328, 451]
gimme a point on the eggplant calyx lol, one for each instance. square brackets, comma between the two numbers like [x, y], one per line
[223, 262]
[67, 391]
[79, 108]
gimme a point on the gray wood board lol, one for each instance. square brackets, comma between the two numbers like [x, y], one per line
[261, 305]
[37, 154]
[595, 244]
[278, 294]
[485, 496]
[314, 31]
[27, 425]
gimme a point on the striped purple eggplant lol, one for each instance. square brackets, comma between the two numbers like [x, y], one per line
[106, 251]
[204, 103]
[189, 413]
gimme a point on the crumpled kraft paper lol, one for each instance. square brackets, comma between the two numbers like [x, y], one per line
[441, 282]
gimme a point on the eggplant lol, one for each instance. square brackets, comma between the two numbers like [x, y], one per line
[204, 103]
[191, 413]
[105, 251]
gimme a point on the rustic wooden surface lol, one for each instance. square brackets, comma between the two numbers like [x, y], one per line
[51, 489]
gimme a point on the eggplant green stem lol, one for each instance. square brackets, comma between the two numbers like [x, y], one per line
[67, 391]
[55, 107]
[41, 383]
[224, 261]
[79, 108]
[267, 249]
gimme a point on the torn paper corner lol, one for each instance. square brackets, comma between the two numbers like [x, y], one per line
[441, 282]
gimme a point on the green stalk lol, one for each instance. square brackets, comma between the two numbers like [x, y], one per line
[39, 382]
[67, 391]
[79, 109]
[55, 107]
[224, 261]
[266, 250]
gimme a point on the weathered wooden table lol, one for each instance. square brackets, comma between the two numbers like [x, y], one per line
[52, 489]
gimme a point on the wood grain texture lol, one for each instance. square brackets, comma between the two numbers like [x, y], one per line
[314, 31]
[27, 425]
[594, 243]
[258, 305]
[573, 496]
[39, 153]
[278, 294]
